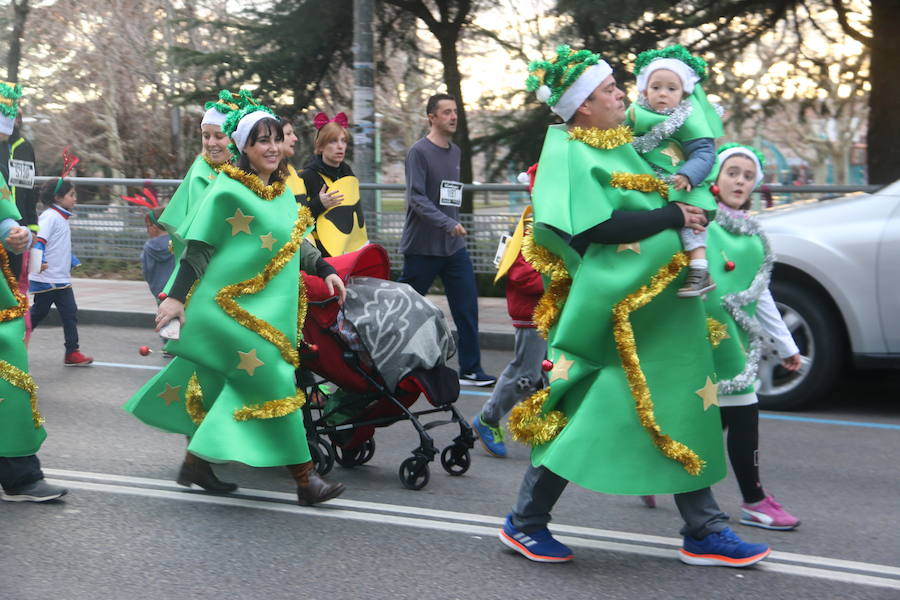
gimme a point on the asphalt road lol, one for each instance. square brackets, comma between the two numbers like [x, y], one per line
[126, 530]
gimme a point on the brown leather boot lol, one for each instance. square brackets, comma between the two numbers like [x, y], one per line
[312, 489]
[196, 470]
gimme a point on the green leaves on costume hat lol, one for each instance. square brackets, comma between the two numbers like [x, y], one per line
[677, 52]
[759, 155]
[558, 73]
[9, 96]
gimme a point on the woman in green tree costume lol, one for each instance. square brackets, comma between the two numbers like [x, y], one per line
[675, 128]
[21, 424]
[742, 314]
[631, 406]
[183, 374]
[236, 292]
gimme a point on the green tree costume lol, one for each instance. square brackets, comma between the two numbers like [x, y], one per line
[21, 424]
[624, 412]
[734, 331]
[241, 322]
[187, 389]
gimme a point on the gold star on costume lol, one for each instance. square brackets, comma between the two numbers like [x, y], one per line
[633, 246]
[673, 152]
[561, 368]
[211, 176]
[249, 362]
[240, 222]
[6, 193]
[267, 240]
[171, 394]
[717, 332]
[709, 393]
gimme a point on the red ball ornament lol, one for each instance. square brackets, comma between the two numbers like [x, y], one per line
[144, 350]
[547, 365]
[313, 348]
[729, 266]
[162, 296]
[714, 189]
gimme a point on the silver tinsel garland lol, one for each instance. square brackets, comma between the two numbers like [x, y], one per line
[676, 118]
[734, 303]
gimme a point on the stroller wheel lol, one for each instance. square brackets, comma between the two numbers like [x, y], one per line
[414, 473]
[368, 451]
[456, 459]
[321, 454]
[351, 458]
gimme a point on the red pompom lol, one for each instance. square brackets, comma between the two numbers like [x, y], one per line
[144, 350]
[547, 365]
[313, 348]
[714, 189]
[162, 296]
[729, 266]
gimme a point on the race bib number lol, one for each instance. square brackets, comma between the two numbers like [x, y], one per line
[21, 173]
[451, 193]
[501, 249]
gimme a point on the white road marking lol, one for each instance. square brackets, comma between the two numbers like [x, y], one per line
[820, 567]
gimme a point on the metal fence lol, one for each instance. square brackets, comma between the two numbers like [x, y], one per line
[116, 232]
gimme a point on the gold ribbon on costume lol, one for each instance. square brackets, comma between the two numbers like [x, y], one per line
[514, 245]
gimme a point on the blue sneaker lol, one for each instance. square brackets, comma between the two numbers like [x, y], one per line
[538, 546]
[477, 378]
[491, 437]
[722, 548]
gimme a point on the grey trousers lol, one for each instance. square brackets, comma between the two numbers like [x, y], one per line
[541, 488]
[521, 377]
[690, 239]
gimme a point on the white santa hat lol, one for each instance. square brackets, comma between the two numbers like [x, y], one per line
[688, 76]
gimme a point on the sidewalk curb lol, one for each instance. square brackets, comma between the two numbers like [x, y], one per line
[488, 340]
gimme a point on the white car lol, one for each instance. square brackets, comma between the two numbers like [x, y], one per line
[837, 283]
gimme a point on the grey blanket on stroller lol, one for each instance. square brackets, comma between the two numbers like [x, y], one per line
[400, 329]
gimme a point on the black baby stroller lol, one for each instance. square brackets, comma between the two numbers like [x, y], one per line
[382, 349]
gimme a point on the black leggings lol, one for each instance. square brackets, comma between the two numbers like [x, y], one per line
[742, 425]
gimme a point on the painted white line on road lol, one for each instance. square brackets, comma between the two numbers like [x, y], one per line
[97, 363]
[458, 522]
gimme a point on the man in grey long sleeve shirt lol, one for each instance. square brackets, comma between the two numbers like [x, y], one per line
[433, 241]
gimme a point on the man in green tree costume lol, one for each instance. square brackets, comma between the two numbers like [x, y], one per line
[21, 425]
[631, 407]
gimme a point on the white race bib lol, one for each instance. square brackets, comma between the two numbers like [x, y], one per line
[21, 173]
[501, 249]
[451, 193]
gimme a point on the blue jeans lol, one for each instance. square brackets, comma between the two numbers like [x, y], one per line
[64, 298]
[456, 273]
[18, 471]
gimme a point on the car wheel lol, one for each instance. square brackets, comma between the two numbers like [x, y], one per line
[817, 332]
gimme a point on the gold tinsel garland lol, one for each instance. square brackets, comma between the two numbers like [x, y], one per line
[639, 182]
[254, 183]
[193, 400]
[545, 262]
[640, 391]
[217, 166]
[302, 307]
[226, 297]
[13, 312]
[604, 139]
[22, 380]
[272, 409]
[716, 331]
[529, 425]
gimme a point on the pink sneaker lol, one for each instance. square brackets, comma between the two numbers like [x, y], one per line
[768, 514]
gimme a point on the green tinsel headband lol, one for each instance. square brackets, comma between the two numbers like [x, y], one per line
[678, 53]
[9, 96]
[553, 77]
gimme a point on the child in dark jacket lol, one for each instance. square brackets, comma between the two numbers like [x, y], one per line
[157, 260]
[524, 375]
